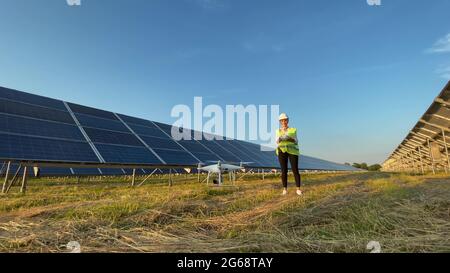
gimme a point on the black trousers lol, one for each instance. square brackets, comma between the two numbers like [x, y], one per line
[293, 159]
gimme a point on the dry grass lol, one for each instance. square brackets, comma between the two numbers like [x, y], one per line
[338, 213]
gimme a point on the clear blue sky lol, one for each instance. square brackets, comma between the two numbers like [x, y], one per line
[354, 78]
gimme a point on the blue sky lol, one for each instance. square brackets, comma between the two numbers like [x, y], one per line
[354, 78]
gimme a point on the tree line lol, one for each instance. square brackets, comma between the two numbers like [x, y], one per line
[364, 166]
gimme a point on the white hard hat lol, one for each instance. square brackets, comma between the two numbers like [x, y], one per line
[283, 116]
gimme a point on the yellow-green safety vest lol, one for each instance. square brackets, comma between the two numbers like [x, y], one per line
[286, 146]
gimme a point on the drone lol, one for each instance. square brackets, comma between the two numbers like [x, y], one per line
[220, 168]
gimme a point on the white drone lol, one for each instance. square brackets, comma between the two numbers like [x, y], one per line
[220, 168]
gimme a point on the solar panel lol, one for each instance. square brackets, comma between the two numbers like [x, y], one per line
[127, 154]
[101, 123]
[111, 137]
[86, 171]
[76, 108]
[23, 97]
[137, 121]
[54, 172]
[33, 111]
[161, 143]
[147, 131]
[108, 171]
[35, 127]
[16, 147]
[176, 157]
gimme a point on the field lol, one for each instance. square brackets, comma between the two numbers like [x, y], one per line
[338, 213]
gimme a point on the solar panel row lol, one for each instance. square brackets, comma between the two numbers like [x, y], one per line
[36, 128]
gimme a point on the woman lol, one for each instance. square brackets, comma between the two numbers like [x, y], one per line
[288, 150]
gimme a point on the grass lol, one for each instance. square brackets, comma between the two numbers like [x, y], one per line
[338, 213]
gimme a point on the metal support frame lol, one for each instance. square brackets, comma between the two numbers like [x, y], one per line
[133, 178]
[9, 183]
[8, 168]
[421, 162]
[23, 187]
[431, 156]
[446, 149]
[140, 184]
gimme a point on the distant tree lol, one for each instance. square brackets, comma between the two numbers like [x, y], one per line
[364, 166]
[374, 168]
[348, 164]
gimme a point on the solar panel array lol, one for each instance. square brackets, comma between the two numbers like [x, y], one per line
[415, 152]
[40, 129]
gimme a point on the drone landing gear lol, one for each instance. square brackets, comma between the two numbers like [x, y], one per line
[218, 181]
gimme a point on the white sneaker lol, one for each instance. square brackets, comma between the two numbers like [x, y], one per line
[284, 192]
[299, 192]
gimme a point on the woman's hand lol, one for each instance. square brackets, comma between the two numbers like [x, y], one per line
[290, 139]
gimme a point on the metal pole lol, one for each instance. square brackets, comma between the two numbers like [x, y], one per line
[133, 178]
[431, 155]
[413, 162]
[6, 176]
[446, 149]
[170, 177]
[23, 188]
[421, 162]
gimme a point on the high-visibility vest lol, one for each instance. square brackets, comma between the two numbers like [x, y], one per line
[286, 146]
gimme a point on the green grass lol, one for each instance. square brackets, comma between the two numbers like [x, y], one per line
[338, 213]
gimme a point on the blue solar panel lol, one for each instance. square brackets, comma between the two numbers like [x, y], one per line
[22, 109]
[21, 125]
[206, 157]
[155, 142]
[176, 157]
[137, 121]
[76, 108]
[33, 148]
[54, 172]
[253, 150]
[147, 131]
[101, 123]
[112, 171]
[15, 95]
[194, 146]
[217, 149]
[165, 127]
[110, 137]
[86, 171]
[138, 171]
[127, 154]
[238, 153]
[198, 150]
